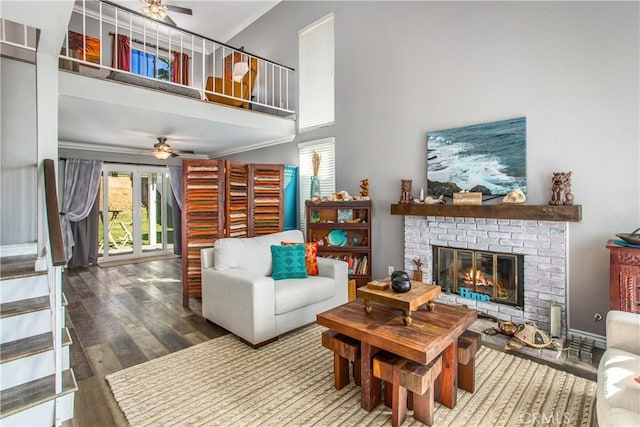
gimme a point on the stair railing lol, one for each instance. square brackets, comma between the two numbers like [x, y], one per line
[58, 260]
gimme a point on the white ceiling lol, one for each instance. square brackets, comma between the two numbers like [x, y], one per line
[215, 19]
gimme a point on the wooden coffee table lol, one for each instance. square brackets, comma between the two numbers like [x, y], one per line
[432, 333]
[419, 294]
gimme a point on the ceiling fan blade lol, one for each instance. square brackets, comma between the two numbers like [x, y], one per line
[179, 9]
[167, 20]
[184, 151]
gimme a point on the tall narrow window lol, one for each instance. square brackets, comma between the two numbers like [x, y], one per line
[327, 172]
[316, 103]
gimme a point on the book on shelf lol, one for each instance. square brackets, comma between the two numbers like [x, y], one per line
[363, 266]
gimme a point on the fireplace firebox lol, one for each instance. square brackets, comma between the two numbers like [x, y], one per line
[480, 275]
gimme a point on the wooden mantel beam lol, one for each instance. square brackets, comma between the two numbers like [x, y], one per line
[499, 211]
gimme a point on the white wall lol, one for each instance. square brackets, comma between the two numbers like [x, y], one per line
[404, 68]
[18, 154]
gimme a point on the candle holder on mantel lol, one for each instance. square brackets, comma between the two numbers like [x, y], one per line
[417, 273]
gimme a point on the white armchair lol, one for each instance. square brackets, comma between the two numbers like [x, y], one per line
[618, 391]
[239, 294]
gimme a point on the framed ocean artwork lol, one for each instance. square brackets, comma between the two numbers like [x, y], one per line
[490, 158]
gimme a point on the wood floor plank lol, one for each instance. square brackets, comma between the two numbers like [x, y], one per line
[125, 348]
[88, 333]
[79, 362]
[103, 362]
[87, 411]
[156, 325]
[150, 346]
[196, 338]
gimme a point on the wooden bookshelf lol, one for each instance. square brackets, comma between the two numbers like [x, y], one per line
[350, 220]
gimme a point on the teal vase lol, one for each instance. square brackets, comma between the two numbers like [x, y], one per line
[315, 187]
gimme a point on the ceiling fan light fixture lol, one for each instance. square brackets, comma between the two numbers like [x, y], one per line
[154, 11]
[161, 155]
[162, 150]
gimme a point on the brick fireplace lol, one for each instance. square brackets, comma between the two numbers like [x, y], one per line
[542, 243]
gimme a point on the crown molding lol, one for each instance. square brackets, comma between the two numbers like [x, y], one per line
[120, 150]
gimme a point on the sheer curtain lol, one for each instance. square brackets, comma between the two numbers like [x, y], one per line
[81, 182]
[175, 178]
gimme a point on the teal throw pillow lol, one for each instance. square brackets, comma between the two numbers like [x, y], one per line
[288, 262]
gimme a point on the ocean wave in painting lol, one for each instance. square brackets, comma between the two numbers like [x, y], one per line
[492, 155]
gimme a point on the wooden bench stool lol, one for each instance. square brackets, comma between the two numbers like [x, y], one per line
[401, 376]
[345, 349]
[468, 345]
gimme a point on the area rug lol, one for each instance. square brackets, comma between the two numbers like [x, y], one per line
[224, 382]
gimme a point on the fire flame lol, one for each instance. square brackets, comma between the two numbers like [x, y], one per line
[479, 278]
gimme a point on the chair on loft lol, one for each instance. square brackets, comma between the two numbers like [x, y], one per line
[240, 86]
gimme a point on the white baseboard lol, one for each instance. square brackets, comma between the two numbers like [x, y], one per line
[600, 340]
[20, 249]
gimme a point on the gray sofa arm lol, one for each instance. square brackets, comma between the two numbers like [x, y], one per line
[339, 271]
[623, 331]
[206, 257]
[332, 268]
[241, 302]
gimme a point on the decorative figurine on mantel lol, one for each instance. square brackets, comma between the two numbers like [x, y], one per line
[516, 196]
[561, 189]
[406, 196]
[431, 201]
[364, 189]
[417, 273]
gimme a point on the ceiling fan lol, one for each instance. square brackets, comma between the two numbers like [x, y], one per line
[162, 150]
[158, 11]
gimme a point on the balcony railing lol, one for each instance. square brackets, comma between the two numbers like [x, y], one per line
[106, 40]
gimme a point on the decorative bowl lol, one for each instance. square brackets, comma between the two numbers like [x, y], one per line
[633, 237]
[337, 238]
[399, 273]
[401, 284]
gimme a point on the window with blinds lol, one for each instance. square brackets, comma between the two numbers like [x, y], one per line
[327, 173]
[315, 71]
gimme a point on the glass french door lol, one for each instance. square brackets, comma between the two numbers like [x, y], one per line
[137, 218]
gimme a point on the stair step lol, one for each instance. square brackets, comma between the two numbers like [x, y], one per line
[24, 306]
[13, 267]
[29, 346]
[23, 288]
[25, 396]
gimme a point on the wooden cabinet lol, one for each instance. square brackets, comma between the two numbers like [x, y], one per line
[221, 198]
[624, 277]
[343, 231]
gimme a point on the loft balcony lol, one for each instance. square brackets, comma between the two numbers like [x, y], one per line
[125, 79]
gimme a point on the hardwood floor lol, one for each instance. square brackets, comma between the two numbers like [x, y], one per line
[119, 317]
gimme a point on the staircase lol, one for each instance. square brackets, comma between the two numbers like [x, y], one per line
[37, 386]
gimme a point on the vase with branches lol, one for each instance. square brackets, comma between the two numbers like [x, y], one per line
[315, 179]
